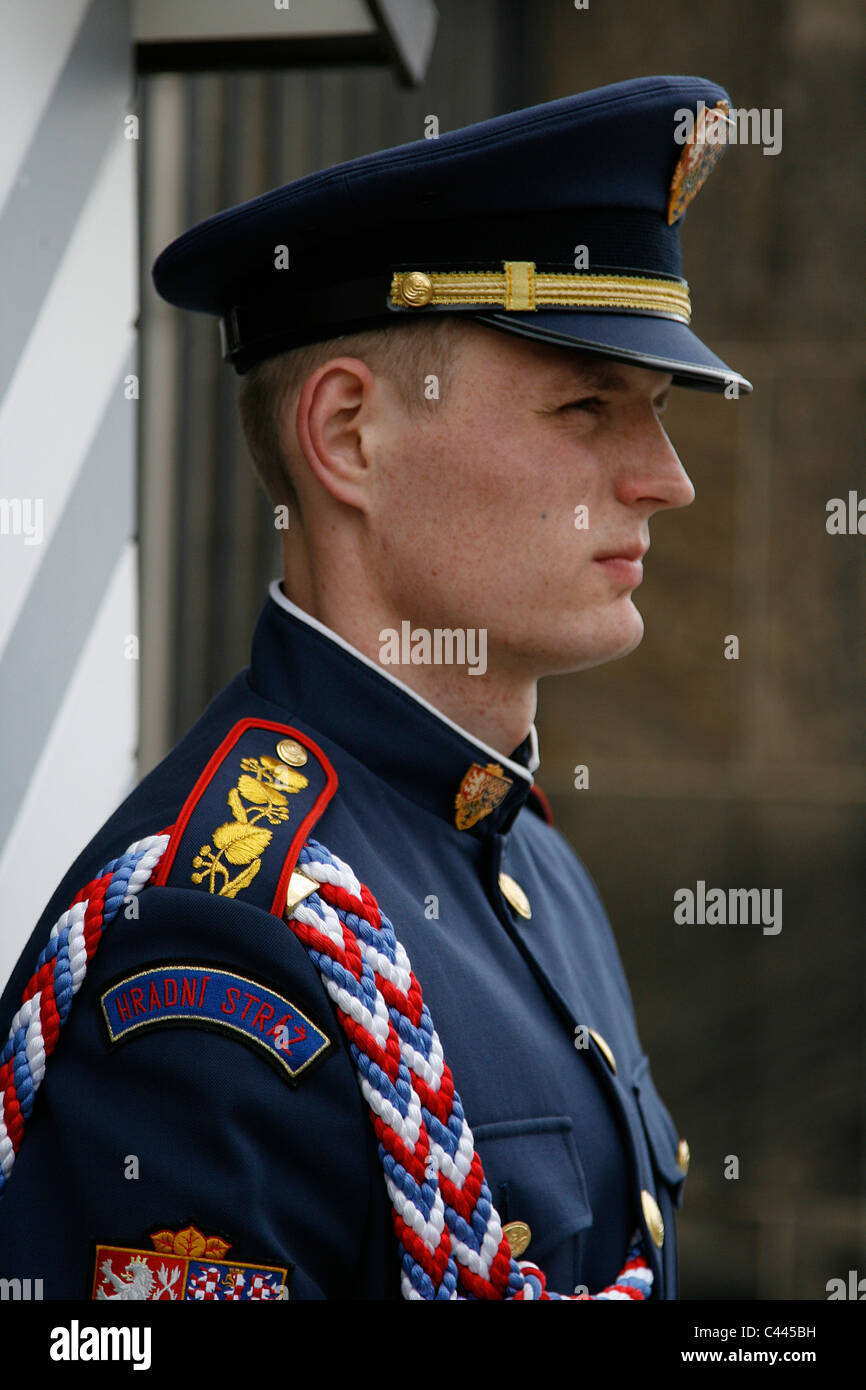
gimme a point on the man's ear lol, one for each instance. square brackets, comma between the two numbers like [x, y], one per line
[334, 410]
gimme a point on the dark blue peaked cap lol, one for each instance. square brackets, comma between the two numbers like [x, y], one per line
[482, 221]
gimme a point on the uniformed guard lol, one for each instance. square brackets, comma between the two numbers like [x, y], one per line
[358, 1027]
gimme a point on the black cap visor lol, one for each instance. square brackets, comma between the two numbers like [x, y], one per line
[643, 340]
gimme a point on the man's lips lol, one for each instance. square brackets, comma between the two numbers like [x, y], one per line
[625, 552]
[624, 565]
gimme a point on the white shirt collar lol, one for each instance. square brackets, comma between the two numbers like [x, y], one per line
[518, 768]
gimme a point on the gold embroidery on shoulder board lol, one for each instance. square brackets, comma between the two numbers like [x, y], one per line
[242, 842]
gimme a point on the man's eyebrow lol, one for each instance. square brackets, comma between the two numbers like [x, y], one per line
[603, 375]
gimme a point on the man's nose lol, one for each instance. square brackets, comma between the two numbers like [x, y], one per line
[653, 472]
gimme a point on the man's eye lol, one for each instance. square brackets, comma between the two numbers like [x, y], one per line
[591, 404]
[661, 404]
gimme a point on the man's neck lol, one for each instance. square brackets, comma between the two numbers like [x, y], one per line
[471, 692]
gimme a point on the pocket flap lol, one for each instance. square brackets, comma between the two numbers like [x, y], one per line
[535, 1175]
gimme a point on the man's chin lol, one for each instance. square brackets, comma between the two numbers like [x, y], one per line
[609, 643]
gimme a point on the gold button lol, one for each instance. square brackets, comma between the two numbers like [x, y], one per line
[653, 1217]
[292, 752]
[518, 1235]
[605, 1049]
[416, 289]
[684, 1156]
[514, 894]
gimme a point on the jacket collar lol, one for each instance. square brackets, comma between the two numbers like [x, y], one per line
[321, 680]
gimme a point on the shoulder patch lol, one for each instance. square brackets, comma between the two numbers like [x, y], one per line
[205, 996]
[244, 823]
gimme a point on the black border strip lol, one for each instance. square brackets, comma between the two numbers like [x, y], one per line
[227, 55]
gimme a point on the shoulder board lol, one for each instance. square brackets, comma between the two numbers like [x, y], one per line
[245, 821]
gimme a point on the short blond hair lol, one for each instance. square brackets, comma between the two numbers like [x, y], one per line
[406, 355]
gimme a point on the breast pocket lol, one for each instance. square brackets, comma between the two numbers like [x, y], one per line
[535, 1176]
[660, 1130]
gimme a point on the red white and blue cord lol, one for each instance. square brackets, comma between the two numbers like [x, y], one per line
[59, 974]
[449, 1232]
[451, 1237]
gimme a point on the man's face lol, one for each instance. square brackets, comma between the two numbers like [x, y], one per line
[498, 509]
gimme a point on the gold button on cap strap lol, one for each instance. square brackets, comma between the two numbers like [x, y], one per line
[414, 289]
[514, 894]
[604, 1048]
[518, 1235]
[653, 1218]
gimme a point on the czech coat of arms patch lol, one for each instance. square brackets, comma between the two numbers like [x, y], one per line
[183, 1266]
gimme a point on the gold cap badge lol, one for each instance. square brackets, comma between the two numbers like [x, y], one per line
[701, 153]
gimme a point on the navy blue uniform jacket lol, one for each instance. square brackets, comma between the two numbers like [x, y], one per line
[290, 1174]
